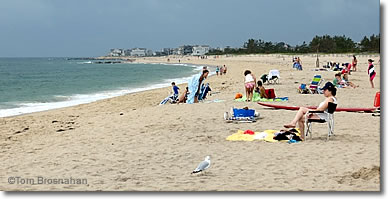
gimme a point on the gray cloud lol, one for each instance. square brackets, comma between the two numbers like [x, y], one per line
[91, 28]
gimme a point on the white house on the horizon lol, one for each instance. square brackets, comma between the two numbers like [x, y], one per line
[139, 52]
[116, 52]
[199, 50]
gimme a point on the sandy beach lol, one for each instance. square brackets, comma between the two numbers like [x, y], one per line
[155, 148]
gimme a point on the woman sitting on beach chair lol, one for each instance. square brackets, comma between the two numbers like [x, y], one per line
[329, 92]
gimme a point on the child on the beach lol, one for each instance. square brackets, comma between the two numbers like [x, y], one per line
[371, 72]
[354, 63]
[260, 89]
[250, 84]
[183, 97]
[338, 82]
[345, 79]
[217, 70]
[175, 89]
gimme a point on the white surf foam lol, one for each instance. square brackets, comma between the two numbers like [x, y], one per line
[31, 107]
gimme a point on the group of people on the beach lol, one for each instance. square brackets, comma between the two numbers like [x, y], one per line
[250, 85]
[341, 80]
[297, 63]
[195, 91]
[221, 70]
[329, 91]
[346, 71]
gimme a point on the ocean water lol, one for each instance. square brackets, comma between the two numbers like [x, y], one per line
[37, 84]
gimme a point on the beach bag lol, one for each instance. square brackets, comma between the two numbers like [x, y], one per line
[270, 93]
[238, 96]
[377, 99]
[303, 89]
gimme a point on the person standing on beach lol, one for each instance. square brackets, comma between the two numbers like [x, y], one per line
[194, 85]
[175, 90]
[221, 70]
[371, 72]
[250, 84]
[354, 63]
[225, 70]
[217, 70]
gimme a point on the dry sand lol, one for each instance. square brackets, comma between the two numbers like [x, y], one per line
[155, 148]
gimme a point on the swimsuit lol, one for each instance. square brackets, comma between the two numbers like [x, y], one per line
[371, 72]
[249, 81]
[323, 116]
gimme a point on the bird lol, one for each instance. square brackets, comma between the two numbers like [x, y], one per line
[202, 166]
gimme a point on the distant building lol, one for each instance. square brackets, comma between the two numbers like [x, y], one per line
[186, 50]
[116, 52]
[217, 49]
[167, 51]
[157, 53]
[149, 53]
[199, 50]
[138, 52]
[127, 52]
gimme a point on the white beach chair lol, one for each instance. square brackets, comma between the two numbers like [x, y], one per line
[273, 77]
[330, 121]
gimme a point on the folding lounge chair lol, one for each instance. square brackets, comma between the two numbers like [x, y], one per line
[273, 77]
[204, 91]
[329, 121]
[314, 86]
[241, 116]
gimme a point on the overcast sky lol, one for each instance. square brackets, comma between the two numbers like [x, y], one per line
[44, 28]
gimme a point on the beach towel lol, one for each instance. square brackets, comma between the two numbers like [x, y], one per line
[205, 88]
[256, 98]
[240, 136]
[193, 87]
[267, 135]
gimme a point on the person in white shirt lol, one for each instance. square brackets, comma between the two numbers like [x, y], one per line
[250, 84]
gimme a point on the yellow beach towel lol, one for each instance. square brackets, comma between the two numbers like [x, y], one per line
[240, 136]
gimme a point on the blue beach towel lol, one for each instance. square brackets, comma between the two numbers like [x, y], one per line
[193, 87]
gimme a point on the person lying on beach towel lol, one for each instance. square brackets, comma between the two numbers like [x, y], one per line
[256, 98]
[194, 85]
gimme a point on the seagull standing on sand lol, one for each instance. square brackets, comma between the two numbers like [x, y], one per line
[203, 165]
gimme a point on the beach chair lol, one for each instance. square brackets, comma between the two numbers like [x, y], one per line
[204, 91]
[241, 115]
[171, 98]
[314, 86]
[329, 121]
[273, 77]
